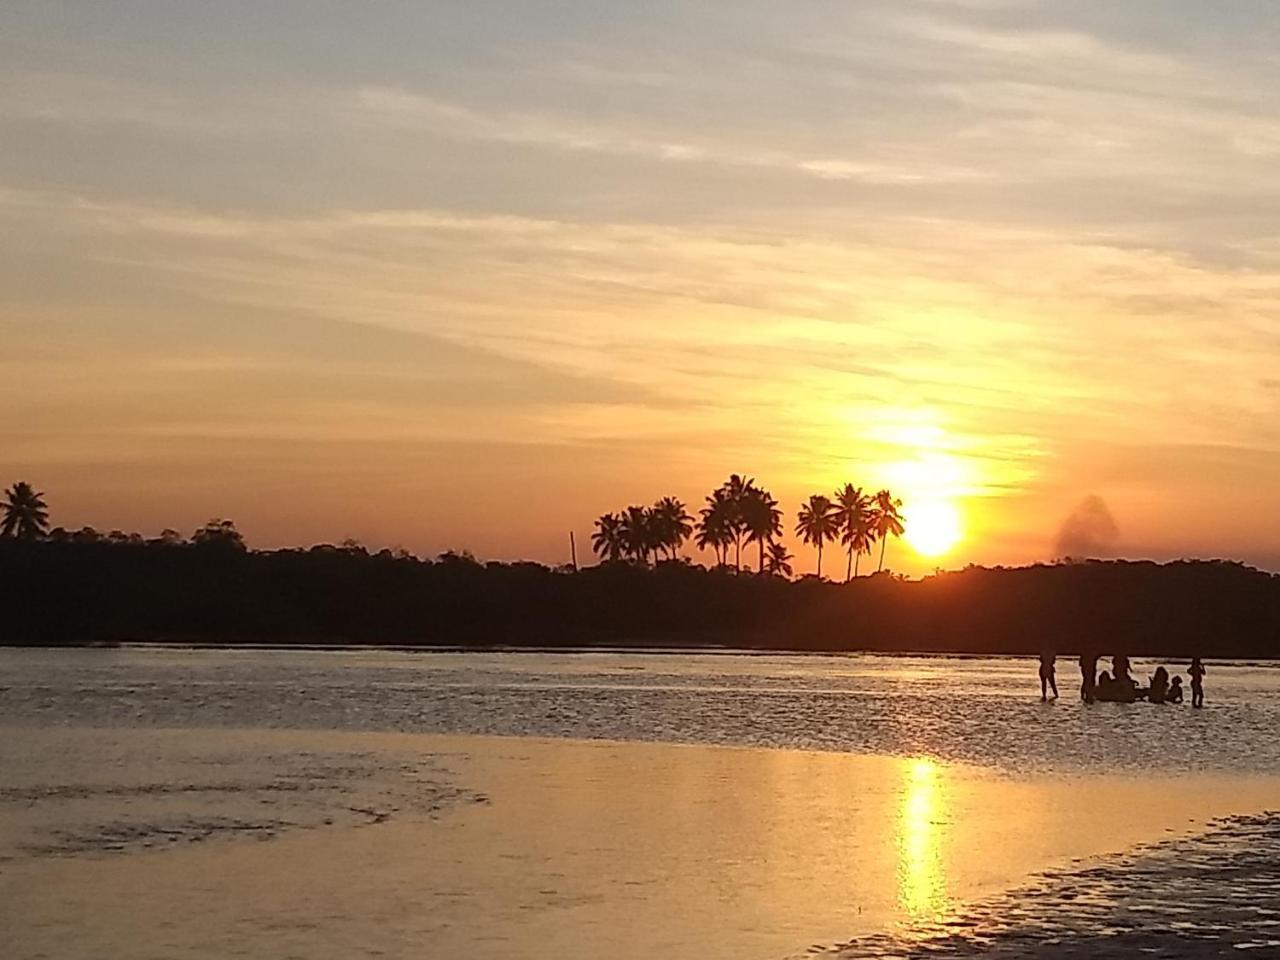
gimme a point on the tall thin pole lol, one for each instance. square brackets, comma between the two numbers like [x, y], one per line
[573, 551]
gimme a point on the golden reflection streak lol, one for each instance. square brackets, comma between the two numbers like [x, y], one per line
[922, 891]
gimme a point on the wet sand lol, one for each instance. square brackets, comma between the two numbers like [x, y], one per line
[1197, 898]
[142, 843]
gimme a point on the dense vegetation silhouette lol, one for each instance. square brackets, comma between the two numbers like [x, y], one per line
[65, 587]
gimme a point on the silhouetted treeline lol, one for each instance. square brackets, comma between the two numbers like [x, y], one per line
[81, 589]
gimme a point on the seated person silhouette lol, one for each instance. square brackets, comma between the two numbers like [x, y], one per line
[1105, 688]
[1125, 689]
[1117, 690]
[1175, 691]
[1159, 688]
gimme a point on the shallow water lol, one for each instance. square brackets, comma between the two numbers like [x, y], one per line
[212, 843]
[194, 803]
[979, 711]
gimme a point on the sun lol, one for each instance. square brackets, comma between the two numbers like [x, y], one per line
[933, 527]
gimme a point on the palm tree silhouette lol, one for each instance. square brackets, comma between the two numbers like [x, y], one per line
[637, 534]
[761, 518]
[737, 490]
[886, 521]
[777, 562]
[715, 525]
[816, 523]
[672, 525]
[26, 516]
[853, 508]
[607, 540]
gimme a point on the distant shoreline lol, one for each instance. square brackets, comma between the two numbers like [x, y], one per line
[640, 650]
[644, 649]
[69, 593]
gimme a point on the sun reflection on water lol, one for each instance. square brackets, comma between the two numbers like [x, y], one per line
[922, 887]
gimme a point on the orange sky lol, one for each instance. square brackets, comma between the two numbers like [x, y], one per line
[469, 278]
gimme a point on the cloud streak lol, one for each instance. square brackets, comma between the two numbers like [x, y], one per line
[1001, 247]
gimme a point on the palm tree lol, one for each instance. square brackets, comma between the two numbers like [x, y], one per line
[607, 540]
[761, 518]
[717, 539]
[778, 563]
[637, 534]
[853, 508]
[886, 521]
[672, 524]
[737, 490]
[715, 525]
[26, 516]
[816, 523]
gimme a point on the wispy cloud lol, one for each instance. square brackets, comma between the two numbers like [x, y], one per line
[1013, 245]
[398, 107]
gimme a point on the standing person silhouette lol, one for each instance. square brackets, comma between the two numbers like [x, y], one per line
[1196, 672]
[1047, 678]
[1088, 675]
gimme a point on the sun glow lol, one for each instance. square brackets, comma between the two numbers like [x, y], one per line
[933, 526]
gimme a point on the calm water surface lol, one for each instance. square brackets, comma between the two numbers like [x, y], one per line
[980, 711]
[172, 803]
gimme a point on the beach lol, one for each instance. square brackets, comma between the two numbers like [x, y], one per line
[193, 803]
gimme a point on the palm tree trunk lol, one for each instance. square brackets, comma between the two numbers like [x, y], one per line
[819, 559]
[883, 543]
[848, 567]
[760, 569]
[856, 561]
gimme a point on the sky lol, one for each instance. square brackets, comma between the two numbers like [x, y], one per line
[467, 275]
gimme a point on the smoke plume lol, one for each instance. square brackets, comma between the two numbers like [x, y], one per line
[1089, 531]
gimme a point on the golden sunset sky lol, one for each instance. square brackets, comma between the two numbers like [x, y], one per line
[448, 275]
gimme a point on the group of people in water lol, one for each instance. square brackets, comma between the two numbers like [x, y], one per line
[1118, 685]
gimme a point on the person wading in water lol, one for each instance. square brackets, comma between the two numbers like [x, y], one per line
[1196, 670]
[1088, 675]
[1047, 679]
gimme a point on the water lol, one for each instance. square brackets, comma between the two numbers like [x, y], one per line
[979, 711]
[176, 803]
[1215, 895]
